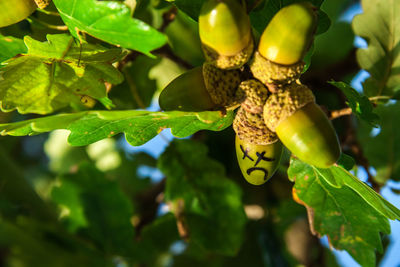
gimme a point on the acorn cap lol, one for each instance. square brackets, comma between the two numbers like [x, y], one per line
[285, 102]
[42, 3]
[228, 62]
[251, 128]
[222, 86]
[187, 92]
[225, 32]
[289, 34]
[255, 95]
[269, 72]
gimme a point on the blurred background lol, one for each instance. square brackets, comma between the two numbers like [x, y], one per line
[91, 189]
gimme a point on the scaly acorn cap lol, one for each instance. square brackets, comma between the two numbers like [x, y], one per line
[187, 92]
[42, 3]
[257, 162]
[285, 102]
[255, 95]
[289, 34]
[251, 128]
[225, 33]
[302, 126]
[228, 62]
[222, 86]
[270, 73]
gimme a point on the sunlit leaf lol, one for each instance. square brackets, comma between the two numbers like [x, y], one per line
[383, 148]
[55, 74]
[109, 21]
[10, 46]
[380, 26]
[138, 126]
[351, 219]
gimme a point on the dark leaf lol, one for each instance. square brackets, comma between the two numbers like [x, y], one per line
[206, 203]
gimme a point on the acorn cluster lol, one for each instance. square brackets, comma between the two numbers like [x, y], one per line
[274, 107]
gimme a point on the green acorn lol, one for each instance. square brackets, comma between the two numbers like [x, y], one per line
[202, 88]
[302, 126]
[13, 11]
[289, 34]
[284, 43]
[225, 33]
[258, 150]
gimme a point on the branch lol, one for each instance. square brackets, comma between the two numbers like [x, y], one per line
[334, 114]
[167, 52]
[168, 17]
[148, 204]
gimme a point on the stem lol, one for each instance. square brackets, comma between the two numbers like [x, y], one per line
[47, 12]
[166, 51]
[50, 26]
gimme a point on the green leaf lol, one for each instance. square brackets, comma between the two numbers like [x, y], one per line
[344, 215]
[380, 26]
[36, 243]
[137, 91]
[138, 126]
[337, 177]
[111, 22]
[97, 207]
[346, 162]
[327, 52]
[155, 239]
[10, 47]
[54, 74]
[183, 35]
[190, 7]
[206, 202]
[383, 150]
[359, 104]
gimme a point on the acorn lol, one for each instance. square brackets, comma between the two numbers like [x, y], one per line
[202, 88]
[13, 11]
[225, 33]
[284, 43]
[258, 149]
[302, 126]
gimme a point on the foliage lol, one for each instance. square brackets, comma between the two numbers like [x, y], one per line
[74, 193]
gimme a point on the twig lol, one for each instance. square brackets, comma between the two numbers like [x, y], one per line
[167, 52]
[168, 17]
[148, 205]
[334, 114]
[379, 97]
